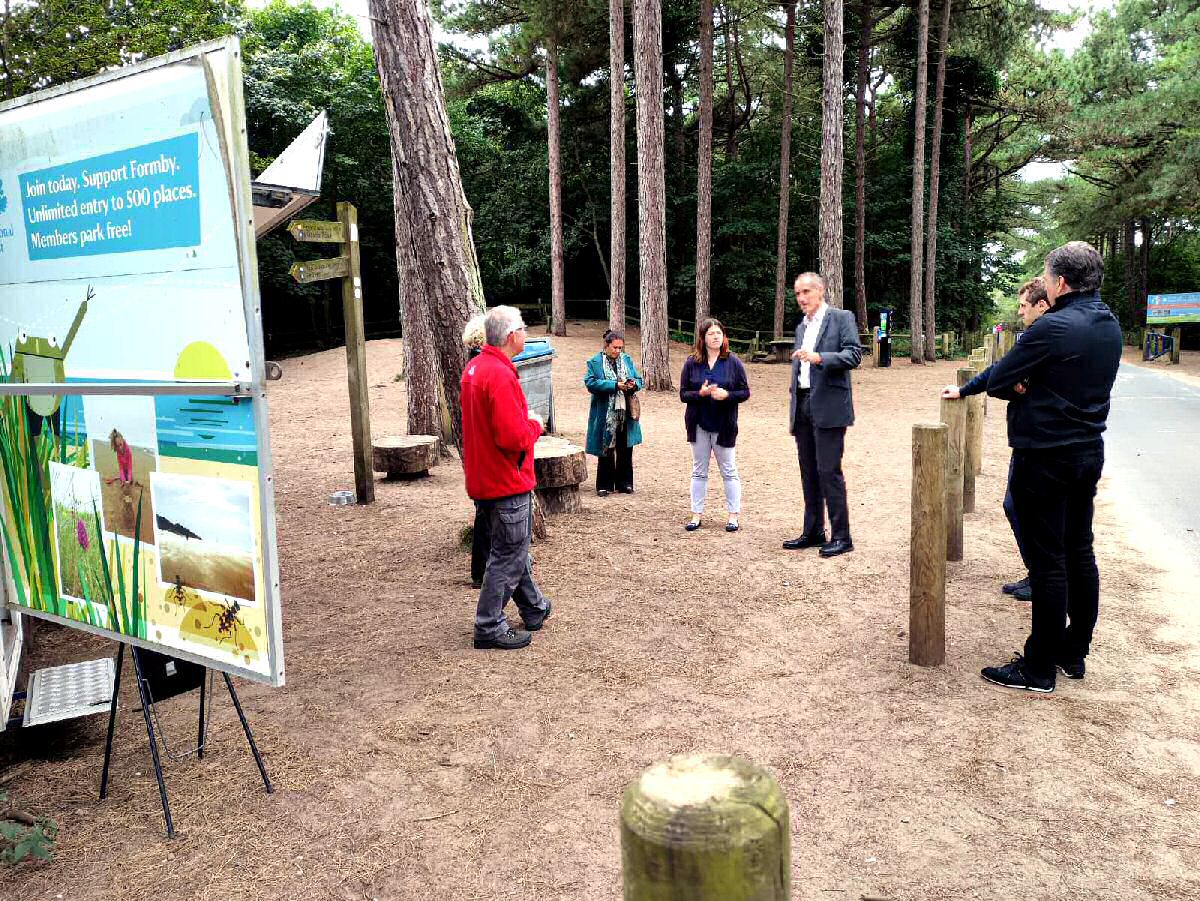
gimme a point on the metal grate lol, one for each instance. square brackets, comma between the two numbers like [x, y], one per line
[66, 692]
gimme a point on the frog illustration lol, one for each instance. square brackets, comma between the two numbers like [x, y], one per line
[43, 361]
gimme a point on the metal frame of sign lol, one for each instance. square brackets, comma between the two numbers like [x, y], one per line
[222, 62]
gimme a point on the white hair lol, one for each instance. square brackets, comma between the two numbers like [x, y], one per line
[474, 336]
[501, 322]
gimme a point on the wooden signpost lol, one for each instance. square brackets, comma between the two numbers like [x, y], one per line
[344, 233]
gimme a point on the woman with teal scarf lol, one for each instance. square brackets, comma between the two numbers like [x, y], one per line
[613, 380]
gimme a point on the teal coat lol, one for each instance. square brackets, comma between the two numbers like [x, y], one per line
[602, 389]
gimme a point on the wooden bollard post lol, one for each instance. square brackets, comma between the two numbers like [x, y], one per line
[927, 548]
[971, 450]
[954, 415]
[977, 435]
[705, 827]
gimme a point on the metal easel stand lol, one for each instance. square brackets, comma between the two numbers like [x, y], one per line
[149, 712]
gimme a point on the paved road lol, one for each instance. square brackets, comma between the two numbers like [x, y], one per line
[1153, 446]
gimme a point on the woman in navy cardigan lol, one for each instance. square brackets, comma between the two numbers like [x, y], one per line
[713, 384]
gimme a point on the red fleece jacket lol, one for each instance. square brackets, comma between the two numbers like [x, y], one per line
[498, 435]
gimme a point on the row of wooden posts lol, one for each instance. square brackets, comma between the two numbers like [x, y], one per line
[947, 456]
[712, 827]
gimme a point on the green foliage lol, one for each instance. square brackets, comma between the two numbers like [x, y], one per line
[20, 839]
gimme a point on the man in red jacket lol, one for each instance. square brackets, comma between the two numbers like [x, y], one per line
[499, 432]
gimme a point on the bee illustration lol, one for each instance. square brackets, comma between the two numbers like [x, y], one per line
[179, 591]
[227, 621]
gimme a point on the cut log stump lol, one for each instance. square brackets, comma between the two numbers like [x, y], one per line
[560, 467]
[405, 456]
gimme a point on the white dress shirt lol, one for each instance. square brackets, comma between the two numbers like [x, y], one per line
[812, 328]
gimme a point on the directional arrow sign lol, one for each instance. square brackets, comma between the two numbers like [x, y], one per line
[319, 270]
[314, 230]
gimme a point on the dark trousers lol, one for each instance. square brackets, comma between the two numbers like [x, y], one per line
[614, 467]
[1010, 510]
[1054, 493]
[820, 453]
[481, 541]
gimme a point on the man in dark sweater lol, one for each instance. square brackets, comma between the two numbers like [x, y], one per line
[1031, 305]
[1068, 362]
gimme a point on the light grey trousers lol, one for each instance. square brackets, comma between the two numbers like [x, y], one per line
[704, 448]
[509, 573]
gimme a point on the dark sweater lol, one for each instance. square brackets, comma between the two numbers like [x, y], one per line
[1069, 359]
[724, 413]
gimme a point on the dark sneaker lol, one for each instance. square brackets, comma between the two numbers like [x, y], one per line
[509, 641]
[1014, 675]
[1072, 669]
[1024, 593]
[541, 621]
[1014, 587]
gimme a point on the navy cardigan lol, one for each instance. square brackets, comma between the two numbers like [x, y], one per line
[690, 381]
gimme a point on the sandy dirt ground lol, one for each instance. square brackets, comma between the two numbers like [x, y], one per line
[1187, 370]
[409, 766]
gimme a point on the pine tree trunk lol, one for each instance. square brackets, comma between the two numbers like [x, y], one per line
[1139, 314]
[558, 303]
[918, 185]
[616, 147]
[831, 154]
[934, 178]
[435, 254]
[652, 193]
[704, 164]
[1130, 269]
[860, 167]
[731, 94]
[785, 170]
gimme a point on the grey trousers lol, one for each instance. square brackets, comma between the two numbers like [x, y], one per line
[509, 572]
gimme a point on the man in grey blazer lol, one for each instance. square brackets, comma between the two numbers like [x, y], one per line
[827, 348]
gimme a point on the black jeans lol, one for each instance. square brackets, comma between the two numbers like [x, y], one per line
[1010, 511]
[614, 467]
[1054, 492]
[481, 540]
[820, 454]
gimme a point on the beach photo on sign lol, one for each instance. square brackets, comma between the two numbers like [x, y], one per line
[204, 534]
[75, 494]
[123, 443]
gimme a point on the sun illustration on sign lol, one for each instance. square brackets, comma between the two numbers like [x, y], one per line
[201, 361]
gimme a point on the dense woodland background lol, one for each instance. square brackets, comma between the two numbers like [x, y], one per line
[1122, 112]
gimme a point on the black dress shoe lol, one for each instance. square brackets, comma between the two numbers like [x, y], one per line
[799, 544]
[626, 490]
[601, 492]
[1014, 587]
[837, 546]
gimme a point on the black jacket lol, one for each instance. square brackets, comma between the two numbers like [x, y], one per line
[1069, 358]
[691, 380]
[831, 402]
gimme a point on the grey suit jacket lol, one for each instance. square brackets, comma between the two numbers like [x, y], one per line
[831, 402]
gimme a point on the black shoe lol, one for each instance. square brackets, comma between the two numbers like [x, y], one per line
[1014, 675]
[806, 540]
[1024, 593]
[1014, 587]
[692, 526]
[538, 623]
[509, 641]
[628, 490]
[601, 492]
[477, 584]
[1072, 669]
[837, 546]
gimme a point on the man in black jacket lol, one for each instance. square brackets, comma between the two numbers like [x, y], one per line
[1068, 360]
[821, 410]
[1032, 304]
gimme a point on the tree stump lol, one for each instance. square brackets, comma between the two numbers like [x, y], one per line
[705, 827]
[405, 456]
[560, 467]
[539, 520]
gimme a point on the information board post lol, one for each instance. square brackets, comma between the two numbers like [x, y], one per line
[345, 266]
